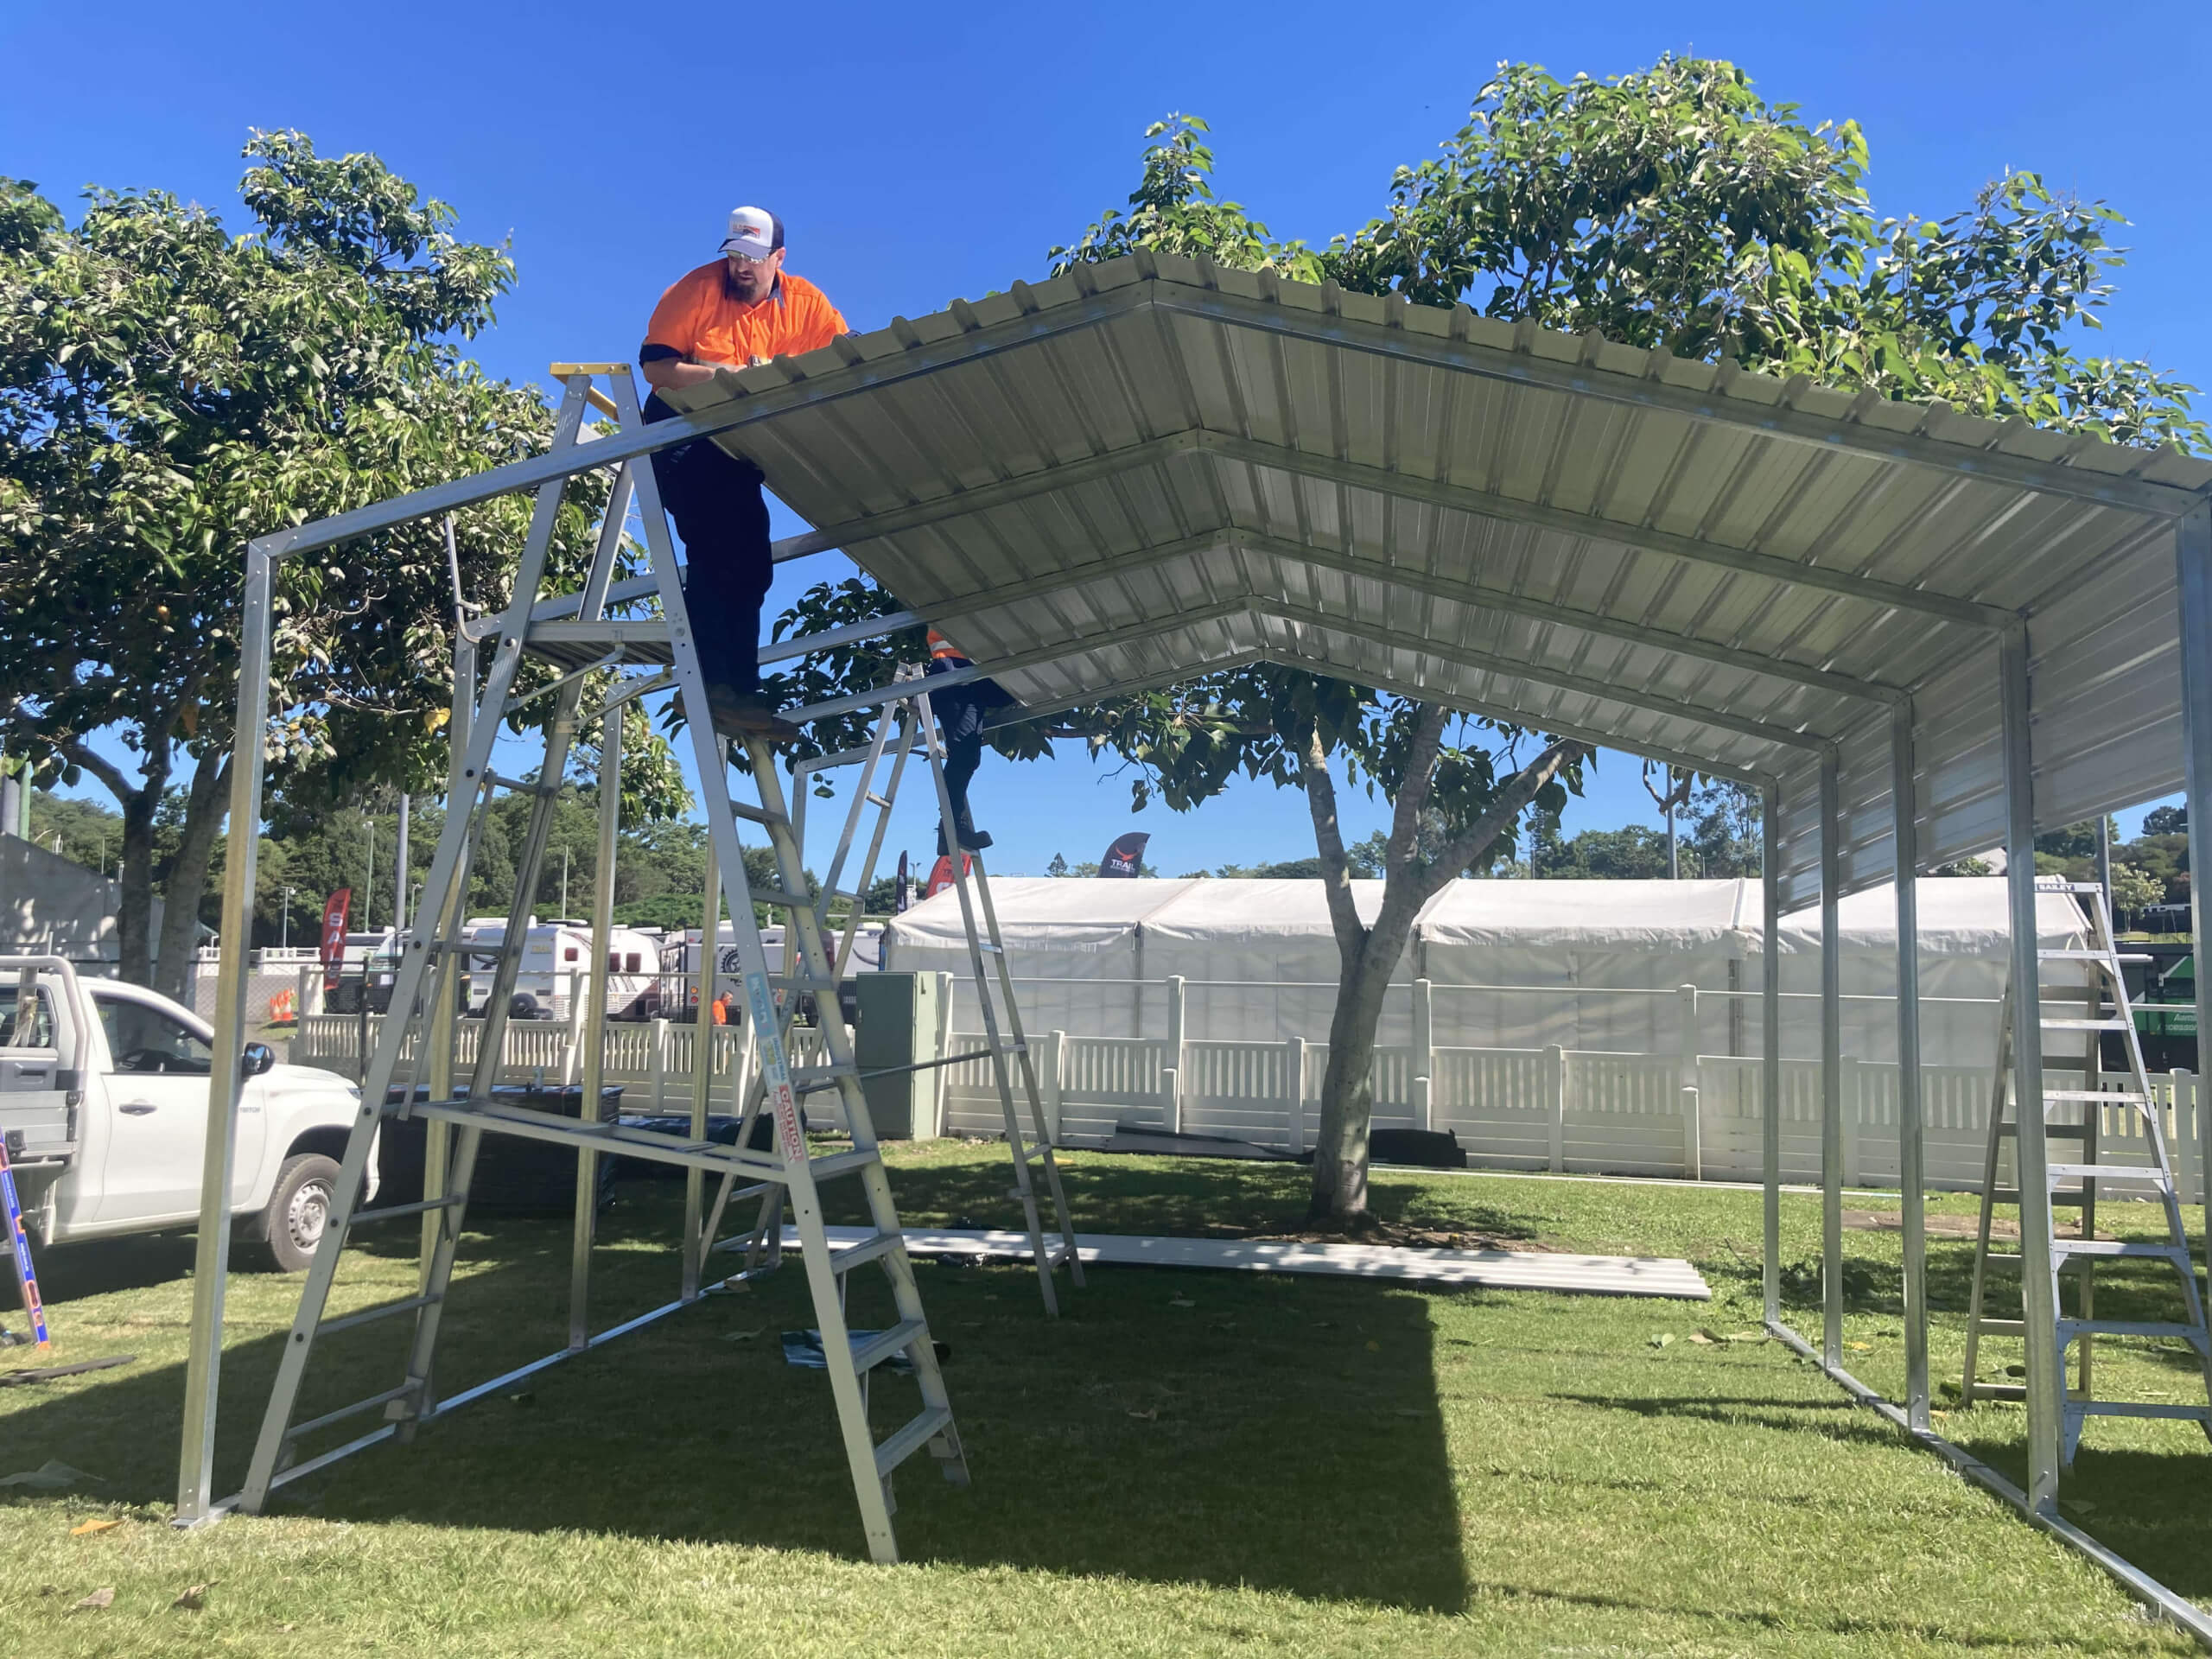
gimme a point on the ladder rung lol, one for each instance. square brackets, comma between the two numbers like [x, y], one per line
[518, 786]
[912, 1439]
[2100, 1097]
[2051, 1131]
[875, 799]
[363, 1218]
[2132, 1328]
[369, 1316]
[842, 1163]
[993, 950]
[2137, 1408]
[2002, 1327]
[756, 814]
[2133, 1248]
[2002, 1391]
[1034, 1152]
[299, 1430]
[779, 898]
[2011, 1195]
[2045, 885]
[2076, 956]
[813, 1080]
[2109, 1172]
[859, 1255]
[2085, 1024]
[886, 1345]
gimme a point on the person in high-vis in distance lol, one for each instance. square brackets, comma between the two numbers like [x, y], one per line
[741, 310]
[960, 710]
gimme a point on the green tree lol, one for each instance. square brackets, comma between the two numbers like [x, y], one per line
[169, 391]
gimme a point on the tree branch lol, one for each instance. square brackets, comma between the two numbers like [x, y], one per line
[1413, 792]
[106, 771]
[1479, 836]
[1329, 841]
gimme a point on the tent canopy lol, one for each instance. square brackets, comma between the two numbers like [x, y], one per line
[1153, 467]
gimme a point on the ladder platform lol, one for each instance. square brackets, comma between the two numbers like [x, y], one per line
[912, 1437]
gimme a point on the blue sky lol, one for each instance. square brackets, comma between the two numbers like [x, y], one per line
[918, 155]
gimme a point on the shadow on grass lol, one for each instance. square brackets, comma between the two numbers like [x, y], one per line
[1171, 1426]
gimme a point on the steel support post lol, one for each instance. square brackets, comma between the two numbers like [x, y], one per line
[1831, 1068]
[195, 1482]
[1770, 1047]
[1912, 1162]
[702, 1052]
[594, 1035]
[461, 796]
[2039, 1288]
[2193, 557]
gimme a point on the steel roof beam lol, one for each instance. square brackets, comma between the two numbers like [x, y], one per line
[1536, 610]
[1412, 693]
[1777, 420]
[1537, 673]
[1483, 505]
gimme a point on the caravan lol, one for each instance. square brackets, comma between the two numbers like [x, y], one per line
[681, 962]
[556, 962]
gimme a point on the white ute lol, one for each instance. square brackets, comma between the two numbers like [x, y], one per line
[103, 1103]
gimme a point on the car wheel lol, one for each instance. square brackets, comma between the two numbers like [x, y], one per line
[299, 1210]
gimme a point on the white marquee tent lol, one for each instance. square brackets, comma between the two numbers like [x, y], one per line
[1577, 961]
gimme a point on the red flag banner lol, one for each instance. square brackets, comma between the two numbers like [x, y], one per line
[1126, 855]
[333, 936]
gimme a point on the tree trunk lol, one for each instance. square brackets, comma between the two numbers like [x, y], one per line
[203, 819]
[1369, 953]
[134, 910]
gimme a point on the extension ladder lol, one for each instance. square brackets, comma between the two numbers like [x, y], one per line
[2098, 1007]
[909, 715]
[576, 633]
[19, 1248]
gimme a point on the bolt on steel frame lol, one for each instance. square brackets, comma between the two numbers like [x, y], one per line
[1096, 308]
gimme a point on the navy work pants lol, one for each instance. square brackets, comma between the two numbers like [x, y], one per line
[715, 498]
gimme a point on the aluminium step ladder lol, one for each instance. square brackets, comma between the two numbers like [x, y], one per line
[2095, 1008]
[909, 716]
[575, 633]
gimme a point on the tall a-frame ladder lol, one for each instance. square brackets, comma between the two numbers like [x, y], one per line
[903, 719]
[563, 627]
[2088, 1013]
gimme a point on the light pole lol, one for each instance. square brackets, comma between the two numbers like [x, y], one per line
[285, 928]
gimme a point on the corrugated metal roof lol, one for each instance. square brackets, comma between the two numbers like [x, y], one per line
[1155, 468]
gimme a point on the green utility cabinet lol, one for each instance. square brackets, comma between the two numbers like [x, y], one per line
[900, 1024]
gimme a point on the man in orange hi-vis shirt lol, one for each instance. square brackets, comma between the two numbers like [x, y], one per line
[743, 309]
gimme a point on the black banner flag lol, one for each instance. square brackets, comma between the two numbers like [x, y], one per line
[1126, 855]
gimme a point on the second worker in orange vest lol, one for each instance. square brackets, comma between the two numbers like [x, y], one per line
[741, 310]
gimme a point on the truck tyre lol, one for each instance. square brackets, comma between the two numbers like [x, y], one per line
[298, 1208]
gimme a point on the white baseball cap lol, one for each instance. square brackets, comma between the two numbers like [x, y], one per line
[753, 232]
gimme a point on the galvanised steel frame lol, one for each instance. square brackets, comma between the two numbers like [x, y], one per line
[2038, 1501]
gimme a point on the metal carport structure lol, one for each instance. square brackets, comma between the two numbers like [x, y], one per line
[1151, 468]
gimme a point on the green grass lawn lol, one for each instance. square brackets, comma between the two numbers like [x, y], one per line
[1186, 1463]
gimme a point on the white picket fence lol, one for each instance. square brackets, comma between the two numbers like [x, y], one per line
[1546, 1108]
[653, 1060]
[1569, 1111]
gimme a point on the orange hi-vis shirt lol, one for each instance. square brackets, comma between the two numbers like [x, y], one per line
[700, 319]
[941, 646]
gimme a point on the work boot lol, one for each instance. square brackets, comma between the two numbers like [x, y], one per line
[971, 841]
[739, 714]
